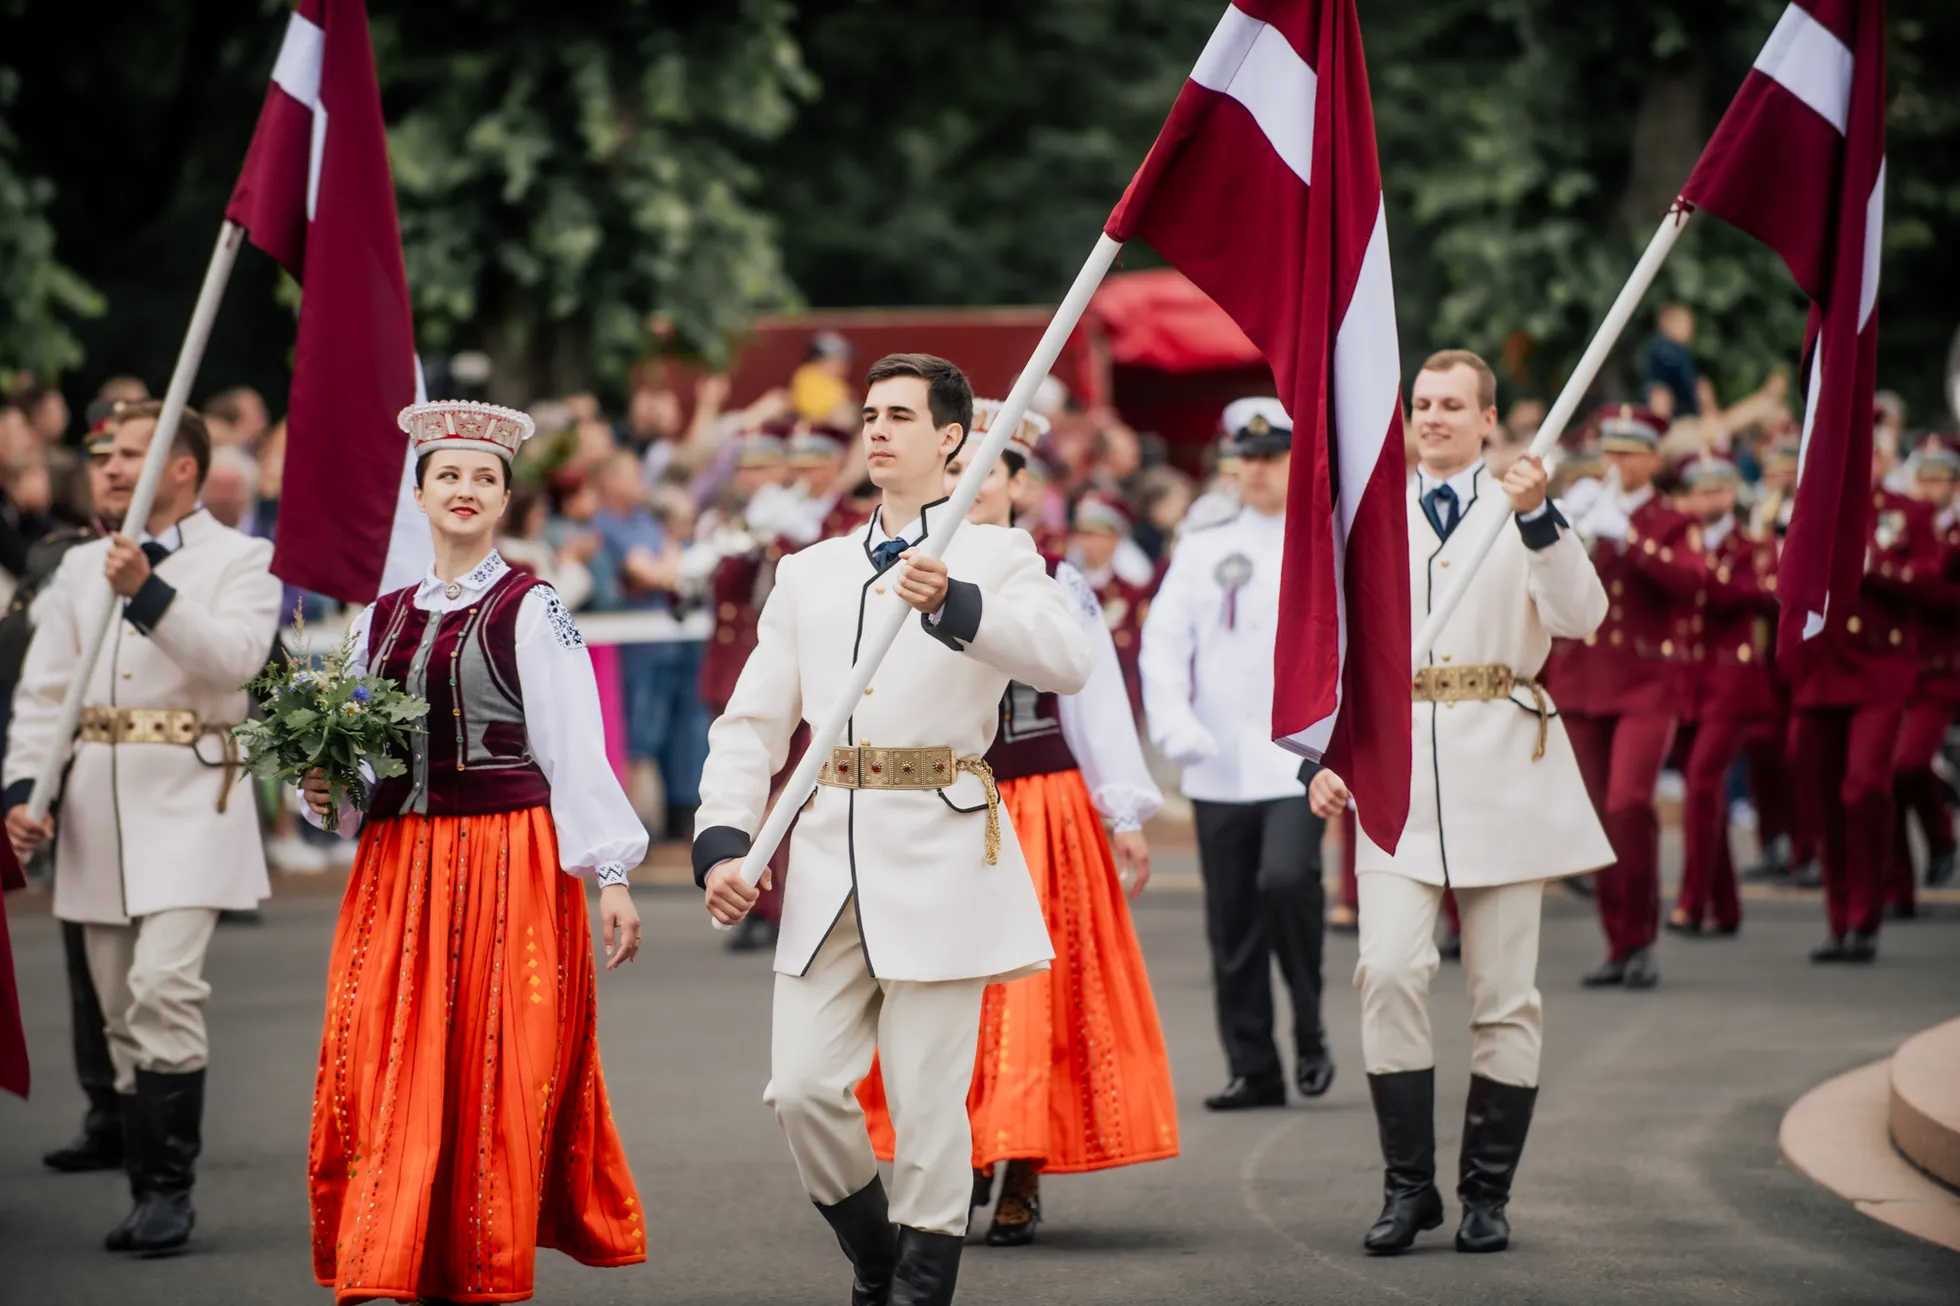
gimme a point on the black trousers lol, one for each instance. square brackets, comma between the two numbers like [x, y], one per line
[1263, 900]
[93, 1068]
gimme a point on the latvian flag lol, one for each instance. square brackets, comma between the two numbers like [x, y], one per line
[1799, 162]
[316, 194]
[1264, 189]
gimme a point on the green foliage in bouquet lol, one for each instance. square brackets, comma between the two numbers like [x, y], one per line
[330, 718]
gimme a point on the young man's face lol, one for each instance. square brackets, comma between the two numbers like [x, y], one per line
[1095, 548]
[1262, 482]
[1937, 490]
[1450, 426]
[903, 449]
[1711, 503]
[1636, 469]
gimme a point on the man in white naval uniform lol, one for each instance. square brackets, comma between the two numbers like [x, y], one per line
[157, 830]
[1207, 664]
[907, 892]
[1496, 807]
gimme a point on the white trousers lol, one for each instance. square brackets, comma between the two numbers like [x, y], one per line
[150, 977]
[1500, 967]
[827, 1023]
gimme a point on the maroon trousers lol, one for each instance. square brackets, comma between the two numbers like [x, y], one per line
[1620, 758]
[1917, 793]
[1707, 872]
[1844, 757]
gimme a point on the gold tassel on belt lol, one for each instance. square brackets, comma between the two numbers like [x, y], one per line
[978, 766]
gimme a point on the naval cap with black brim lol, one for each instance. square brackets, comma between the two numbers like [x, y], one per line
[1258, 427]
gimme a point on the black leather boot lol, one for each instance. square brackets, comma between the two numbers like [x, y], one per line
[1405, 1112]
[928, 1267]
[865, 1231]
[1495, 1121]
[170, 1127]
[1243, 1093]
[100, 1144]
[132, 1135]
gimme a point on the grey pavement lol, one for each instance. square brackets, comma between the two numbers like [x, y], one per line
[1652, 1175]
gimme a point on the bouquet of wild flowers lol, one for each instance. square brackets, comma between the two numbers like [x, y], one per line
[329, 718]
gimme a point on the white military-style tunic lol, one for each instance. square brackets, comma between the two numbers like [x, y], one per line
[911, 862]
[1207, 662]
[139, 829]
[1481, 811]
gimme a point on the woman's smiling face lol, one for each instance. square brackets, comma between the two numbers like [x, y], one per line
[464, 492]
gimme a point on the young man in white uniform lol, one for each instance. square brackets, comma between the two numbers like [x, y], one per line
[907, 892]
[1496, 807]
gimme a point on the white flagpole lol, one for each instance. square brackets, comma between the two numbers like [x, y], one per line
[1569, 400]
[196, 336]
[893, 612]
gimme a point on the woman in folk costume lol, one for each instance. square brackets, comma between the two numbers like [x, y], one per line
[1071, 1073]
[460, 1119]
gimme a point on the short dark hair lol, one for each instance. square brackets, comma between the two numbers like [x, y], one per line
[193, 438]
[948, 394]
[1444, 360]
[422, 469]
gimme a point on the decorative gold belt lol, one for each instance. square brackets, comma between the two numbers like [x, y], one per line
[1482, 684]
[864, 767]
[140, 725]
[159, 725]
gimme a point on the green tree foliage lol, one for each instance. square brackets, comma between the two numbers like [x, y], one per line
[581, 167]
[40, 298]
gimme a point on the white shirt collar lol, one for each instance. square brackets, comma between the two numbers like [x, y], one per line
[1712, 536]
[433, 592]
[172, 539]
[912, 534]
[1463, 484]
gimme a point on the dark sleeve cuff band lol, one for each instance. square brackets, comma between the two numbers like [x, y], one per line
[715, 845]
[15, 794]
[147, 606]
[1541, 532]
[959, 616]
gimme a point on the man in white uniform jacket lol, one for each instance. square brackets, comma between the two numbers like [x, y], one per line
[907, 892]
[1496, 808]
[157, 830]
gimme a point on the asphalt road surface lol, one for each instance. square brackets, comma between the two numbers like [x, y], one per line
[1652, 1174]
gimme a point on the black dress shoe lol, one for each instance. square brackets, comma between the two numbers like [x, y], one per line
[928, 1268]
[1901, 911]
[1019, 1213]
[864, 1230]
[1832, 951]
[1775, 864]
[1939, 868]
[1728, 931]
[1313, 1072]
[1241, 1093]
[1495, 1121]
[1860, 948]
[1685, 926]
[1808, 876]
[1405, 1115]
[92, 1149]
[1641, 972]
[1611, 972]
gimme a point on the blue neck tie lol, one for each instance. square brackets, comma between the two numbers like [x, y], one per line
[884, 555]
[154, 551]
[1440, 505]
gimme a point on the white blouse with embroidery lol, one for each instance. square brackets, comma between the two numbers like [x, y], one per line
[598, 833]
[1100, 728]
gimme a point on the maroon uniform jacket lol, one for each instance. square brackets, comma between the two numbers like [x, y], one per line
[1731, 628]
[1939, 625]
[1638, 659]
[1868, 651]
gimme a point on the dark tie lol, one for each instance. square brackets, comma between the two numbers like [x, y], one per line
[154, 551]
[1440, 504]
[884, 555]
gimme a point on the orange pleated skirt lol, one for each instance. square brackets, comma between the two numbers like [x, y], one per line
[460, 1119]
[1071, 1071]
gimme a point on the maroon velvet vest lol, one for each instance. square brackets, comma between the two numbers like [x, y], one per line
[1029, 738]
[475, 757]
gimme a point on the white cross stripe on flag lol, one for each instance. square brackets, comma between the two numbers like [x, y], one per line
[1874, 240]
[1253, 64]
[297, 73]
[1806, 59]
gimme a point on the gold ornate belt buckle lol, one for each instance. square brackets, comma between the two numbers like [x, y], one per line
[140, 725]
[889, 768]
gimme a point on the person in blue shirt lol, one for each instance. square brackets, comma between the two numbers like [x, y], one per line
[1667, 369]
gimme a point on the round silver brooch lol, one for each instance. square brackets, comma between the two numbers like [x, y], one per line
[452, 591]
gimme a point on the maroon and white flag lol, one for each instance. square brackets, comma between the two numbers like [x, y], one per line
[317, 195]
[1263, 188]
[1799, 162]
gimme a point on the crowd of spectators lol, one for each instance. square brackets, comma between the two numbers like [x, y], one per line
[635, 515]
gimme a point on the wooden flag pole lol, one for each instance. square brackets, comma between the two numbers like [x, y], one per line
[1561, 415]
[96, 627]
[893, 612]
